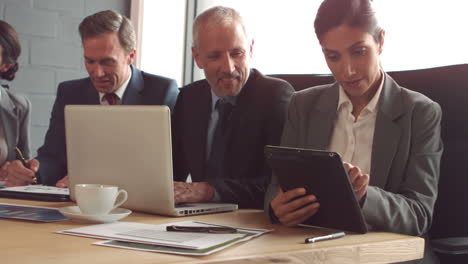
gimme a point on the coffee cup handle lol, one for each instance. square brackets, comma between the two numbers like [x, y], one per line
[123, 197]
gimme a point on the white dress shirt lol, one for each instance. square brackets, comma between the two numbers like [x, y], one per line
[352, 138]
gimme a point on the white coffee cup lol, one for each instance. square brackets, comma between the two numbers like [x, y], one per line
[98, 199]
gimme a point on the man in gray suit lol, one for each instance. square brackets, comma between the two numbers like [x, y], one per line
[108, 40]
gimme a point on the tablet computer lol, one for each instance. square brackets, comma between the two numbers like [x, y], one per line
[322, 174]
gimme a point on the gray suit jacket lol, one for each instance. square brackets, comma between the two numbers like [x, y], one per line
[15, 120]
[405, 158]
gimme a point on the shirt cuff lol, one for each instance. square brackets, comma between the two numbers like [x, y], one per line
[216, 197]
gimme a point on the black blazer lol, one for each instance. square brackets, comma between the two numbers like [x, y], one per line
[256, 120]
[143, 89]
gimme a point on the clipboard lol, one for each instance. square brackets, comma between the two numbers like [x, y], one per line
[322, 174]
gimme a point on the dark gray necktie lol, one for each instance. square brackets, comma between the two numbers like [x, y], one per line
[216, 163]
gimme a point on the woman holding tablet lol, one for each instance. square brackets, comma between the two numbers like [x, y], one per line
[388, 135]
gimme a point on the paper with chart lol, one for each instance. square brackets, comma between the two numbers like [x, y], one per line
[154, 234]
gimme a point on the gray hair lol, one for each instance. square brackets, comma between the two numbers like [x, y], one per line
[107, 22]
[215, 16]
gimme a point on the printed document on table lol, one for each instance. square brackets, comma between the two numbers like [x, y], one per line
[154, 234]
[248, 233]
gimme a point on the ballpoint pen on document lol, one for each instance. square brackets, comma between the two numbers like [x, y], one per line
[19, 155]
[202, 229]
[321, 238]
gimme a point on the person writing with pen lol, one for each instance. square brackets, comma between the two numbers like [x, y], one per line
[390, 135]
[14, 112]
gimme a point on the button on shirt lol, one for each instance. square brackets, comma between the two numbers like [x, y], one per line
[351, 138]
[119, 92]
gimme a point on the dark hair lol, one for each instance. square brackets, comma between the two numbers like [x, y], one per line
[354, 13]
[11, 49]
[109, 21]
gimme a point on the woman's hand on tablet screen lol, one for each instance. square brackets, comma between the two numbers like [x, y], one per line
[359, 181]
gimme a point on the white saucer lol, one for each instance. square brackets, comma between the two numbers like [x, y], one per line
[74, 213]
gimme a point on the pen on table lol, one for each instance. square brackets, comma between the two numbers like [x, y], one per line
[327, 237]
[19, 155]
[202, 229]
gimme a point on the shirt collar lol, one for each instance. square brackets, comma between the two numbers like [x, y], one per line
[344, 100]
[215, 98]
[121, 90]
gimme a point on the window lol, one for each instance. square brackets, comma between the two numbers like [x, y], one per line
[163, 38]
[419, 34]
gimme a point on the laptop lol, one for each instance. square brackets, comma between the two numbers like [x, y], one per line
[131, 147]
[321, 173]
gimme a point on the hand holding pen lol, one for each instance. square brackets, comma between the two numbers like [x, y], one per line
[22, 172]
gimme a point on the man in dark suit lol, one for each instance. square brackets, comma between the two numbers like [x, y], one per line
[222, 123]
[108, 40]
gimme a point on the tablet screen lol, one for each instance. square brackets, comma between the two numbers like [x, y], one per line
[322, 174]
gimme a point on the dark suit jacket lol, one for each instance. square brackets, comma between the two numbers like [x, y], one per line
[143, 89]
[257, 120]
[15, 122]
[405, 157]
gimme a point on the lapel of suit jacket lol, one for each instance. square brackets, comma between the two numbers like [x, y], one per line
[322, 120]
[9, 121]
[239, 115]
[132, 94]
[91, 95]
[386, 133]
[200, 113]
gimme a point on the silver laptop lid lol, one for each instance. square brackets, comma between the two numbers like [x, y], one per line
[140, 160]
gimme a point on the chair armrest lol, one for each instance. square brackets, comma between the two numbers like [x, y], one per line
[450, 245]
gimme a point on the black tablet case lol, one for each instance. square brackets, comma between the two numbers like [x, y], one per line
[49, 197]
[321, 173]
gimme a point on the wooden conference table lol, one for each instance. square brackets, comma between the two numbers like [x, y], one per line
[31, 242]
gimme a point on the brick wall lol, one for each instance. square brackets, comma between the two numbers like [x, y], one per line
[51, 49]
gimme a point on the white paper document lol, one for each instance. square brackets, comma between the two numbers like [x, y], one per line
[154, 234]
[248, 233]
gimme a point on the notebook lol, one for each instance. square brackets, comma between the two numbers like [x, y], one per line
[321, 173]
[131, 147]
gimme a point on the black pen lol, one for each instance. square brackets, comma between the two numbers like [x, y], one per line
[327, 237]
[19, 155]
[202, 229]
